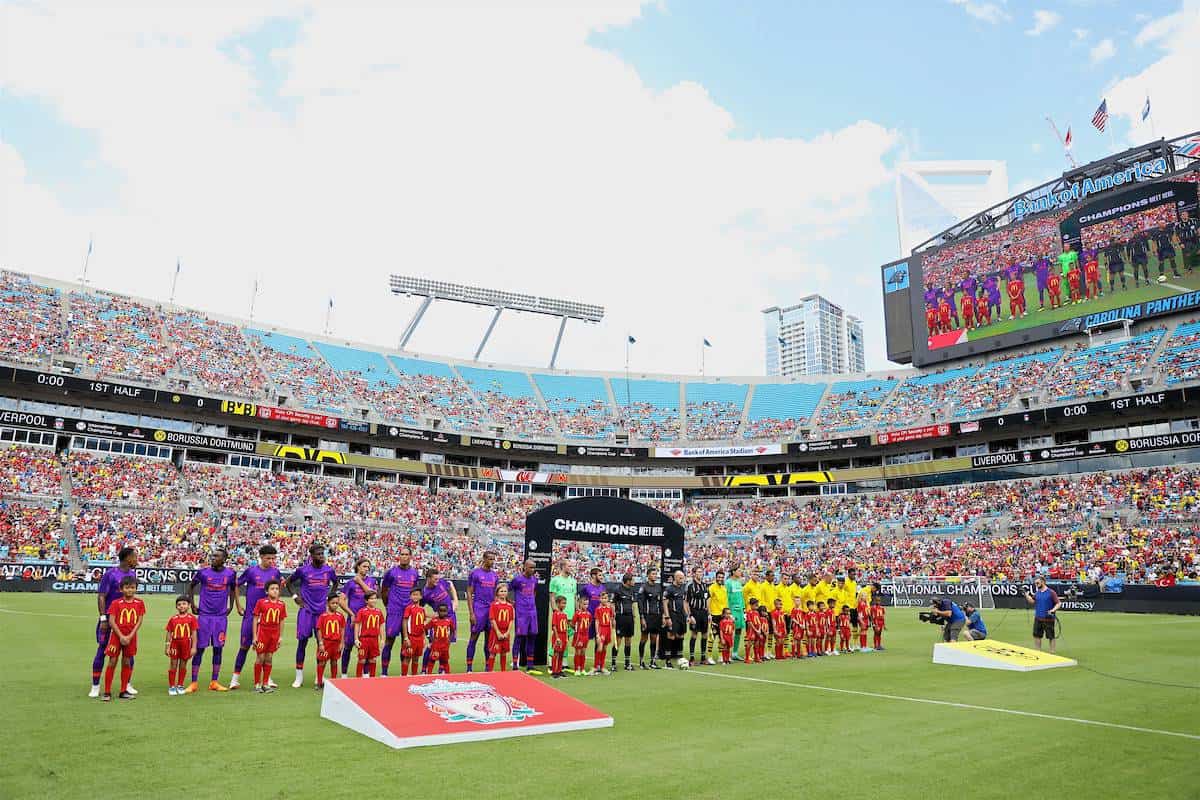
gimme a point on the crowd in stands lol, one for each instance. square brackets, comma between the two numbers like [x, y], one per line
[713, 419]
[215, 354]
[31, 319]
[34, 532]
[852, 405]
[518, 415]
[1090, 372]
[30, 471]
[300, 374]
[921, 399]
[577, 420]
[650, 423]
[1179, 361]
[118, 337]
[996, 385]
[123, 480]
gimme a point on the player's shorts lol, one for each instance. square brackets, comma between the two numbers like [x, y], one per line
[441, 653]
[413, 646]
[1138, 258]
[603, 638]
[624, 625]
[1043, 629]
[115, 647]
[701, 623]
[179, 649]
[268, 641]
[211, 632]
[527, 624]
[652, 624]
[498, 646]
[306, 623]
[739, 619]
[558, 645]
[247, 635]
[678, 625]
[395, 622]
[332, 647]
[854, 617]
[368, 648]
[580, 642]
[482, 622]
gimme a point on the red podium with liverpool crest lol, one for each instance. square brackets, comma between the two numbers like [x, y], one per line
[424, 710]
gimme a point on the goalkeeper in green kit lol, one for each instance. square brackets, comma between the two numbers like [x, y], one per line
[562, 585]
[737, 608]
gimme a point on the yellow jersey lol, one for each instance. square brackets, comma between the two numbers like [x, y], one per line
[752, 589]
[808, 594]
[865, 593]
[784, 593]
[718, 600]
[823, 591]
[795, 593]
[767, 592]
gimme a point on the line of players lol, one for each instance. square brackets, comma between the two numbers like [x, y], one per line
[1079, 274]
[806, 632]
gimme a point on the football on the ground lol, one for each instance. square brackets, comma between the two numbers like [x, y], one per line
[682, 663]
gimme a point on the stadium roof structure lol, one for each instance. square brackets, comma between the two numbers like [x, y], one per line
[1179, 154]
[493, 298]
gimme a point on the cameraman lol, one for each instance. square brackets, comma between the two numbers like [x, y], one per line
[952, 616]
[975, 630]
[1045, 604]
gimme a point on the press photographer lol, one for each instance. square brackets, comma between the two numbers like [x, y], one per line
[945, 612]
[975, 629]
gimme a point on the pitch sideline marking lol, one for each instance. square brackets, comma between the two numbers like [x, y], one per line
[927, 701]
[45, 614]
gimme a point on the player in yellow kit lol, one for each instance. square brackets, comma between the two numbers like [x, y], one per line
[718, 603]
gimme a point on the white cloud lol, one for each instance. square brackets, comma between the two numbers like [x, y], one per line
[1080, 33]
[1103, 51]
[1043, 21]
[476, 145]
[1170, 81]
[984, 12]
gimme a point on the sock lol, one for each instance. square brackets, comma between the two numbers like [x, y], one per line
[216, 662]
[239, 661]
[126, 674]
[653, 650]
[387, 654]
[266, 673]
[108, 678]
[333, 668]
[471, 649]
[98, 664]
[196, 659]
[403, 667]
[530, 641]
[301, 651]
[862, 640]
[504, 662]
[692, 648]
[704, 642]
[359, 670]
[371, 669]
[346, 652]
[171, 677]
[628, 649]
[257, 674]
[490, 663]
[642, 650]
[878, 639]
[320, 672]
[601, 652]
[426, 660]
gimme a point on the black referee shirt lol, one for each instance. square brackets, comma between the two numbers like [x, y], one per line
[697, 599]
[649, 599]
[624, 599]
[674, 596]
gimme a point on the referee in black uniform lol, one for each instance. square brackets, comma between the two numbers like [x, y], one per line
[650, 613]
[697, 603]
[1188, 233]
[624, 601]
[676, 619]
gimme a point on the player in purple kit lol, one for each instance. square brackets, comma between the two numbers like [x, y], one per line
[437, 591]
[396, 590]
[253, 580]
[992, 286]
[353, 599]
[109, 590]
[969, 287]
[1041, 270]
[524, 592]
[593, 589]
[931, 298]
[481, 591]
[315, 579]
[218, 589]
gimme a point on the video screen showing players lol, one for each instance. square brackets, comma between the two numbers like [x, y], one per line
[1061, 266]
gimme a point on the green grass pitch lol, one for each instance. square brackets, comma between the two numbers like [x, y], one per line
[676, 734]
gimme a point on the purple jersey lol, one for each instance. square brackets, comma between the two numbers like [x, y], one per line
[110, 584]
[593, 590]
[438, 594]
[399, 583]
[524, 591]
[483, 586]
[315, 583]
[968, 286]
[356, 597]
[931, 298]
[992, 288]
[253, 581]
[214, 590]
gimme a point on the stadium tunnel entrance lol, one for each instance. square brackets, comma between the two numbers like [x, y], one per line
[603, 520]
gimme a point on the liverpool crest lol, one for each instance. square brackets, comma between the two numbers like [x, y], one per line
[471, 702]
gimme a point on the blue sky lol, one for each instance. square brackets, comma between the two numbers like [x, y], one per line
[686, 164]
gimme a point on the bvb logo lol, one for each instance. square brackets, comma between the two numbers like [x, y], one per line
[1122, 445]
[506, 445]
[160, 436]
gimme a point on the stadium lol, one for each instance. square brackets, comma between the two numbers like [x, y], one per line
[1023, 451]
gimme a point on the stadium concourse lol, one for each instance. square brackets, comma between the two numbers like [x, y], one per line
[1141, 525]
[97, 334]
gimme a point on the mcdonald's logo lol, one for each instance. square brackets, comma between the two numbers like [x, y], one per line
[182, 631]
[127, 616]
[272, 615]
[781, 479]
[312, 454]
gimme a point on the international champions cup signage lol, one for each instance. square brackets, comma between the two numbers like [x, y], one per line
[603, 520]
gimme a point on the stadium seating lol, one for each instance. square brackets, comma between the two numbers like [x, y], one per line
[852, 405]
[120, 480]
[778, 409]
[29, 471]
[370, 379]
[432, 389]
[921, 399]
[215, 355]
[31, 319]
[1089, 372]
[509, 400]
[995, 385]
[299, 373]
[1179, 361]
[31, 532]
[650, 408]
[580, 405]
[714, 410]
[117, 337]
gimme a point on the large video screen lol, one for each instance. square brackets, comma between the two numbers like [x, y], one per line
[1123, 255]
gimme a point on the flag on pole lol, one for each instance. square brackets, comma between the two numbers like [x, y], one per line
[1067, 138]
[707, 343]
[177, 267]
[632, 340]
[1100, 118]
[331, 303]
[89, 245]
[1146, 109]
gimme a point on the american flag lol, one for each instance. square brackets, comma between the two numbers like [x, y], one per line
[1100, 118]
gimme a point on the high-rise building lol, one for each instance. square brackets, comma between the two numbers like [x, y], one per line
[933, 195]
[813, 337]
